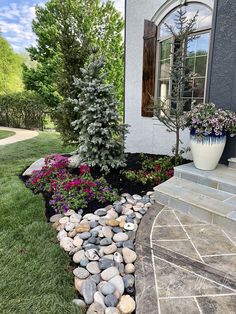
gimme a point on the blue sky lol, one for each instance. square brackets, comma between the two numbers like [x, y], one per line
[16, 17]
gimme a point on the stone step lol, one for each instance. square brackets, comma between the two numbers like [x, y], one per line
[222, 178]
[206, 203]
[232, 163]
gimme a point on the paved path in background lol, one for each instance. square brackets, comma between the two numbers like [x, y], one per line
[21, 135]
[184, 265]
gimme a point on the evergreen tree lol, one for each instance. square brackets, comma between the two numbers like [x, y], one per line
[100, 133]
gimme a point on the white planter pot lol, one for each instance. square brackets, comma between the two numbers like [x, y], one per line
[207, 151]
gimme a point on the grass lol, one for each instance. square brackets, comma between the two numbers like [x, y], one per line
[34, 272]
[4, 134]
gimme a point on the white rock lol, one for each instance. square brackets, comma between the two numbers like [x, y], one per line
[120, 237]
[55, 218]
[118, 257]
[74, 161]
[110, 249]
[99, 298]
[67, 244]
[77, 241]
[64, 220]
[92, 255]
[107, 232]
[109, 273]
[118, 282]
[69, 212]
[129, 226]
[90, 217]
[93, 268]
[78, 256]
[129, 268]
[126, 304]
[129, 255]
[112, 310]
[37, 165]
[75, 218]
[79, 302]
[61, 234]
[69, 226]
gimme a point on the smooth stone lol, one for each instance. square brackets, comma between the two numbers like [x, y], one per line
[91, 217]
[79, 302]
[129, 255]
[122, 200]
[106, 241]
[92, 240]
[99, 298]
[88, 289]
[94, 233]
[72, 233]
[129, 244]
[78, 283]
[64, 220]
[118, 208]
[85, 235]
[118, 282]
[93, 268]
[67, 244]
[83, 228]
[105, 263]
[117, 229]
[128, 281]
[118, 257]
[92, 254]
[137, 197]
[109, 273]
[108, 288]
[132, 216]
[100, 285]
[69, 226]
[78, 256]
[69, 212]
[119, 244]
[130, 290]
[112, 222]
[112, 213]
[77, 241]
[95, 278]
[129, 268]
[61, 234]
[126, 304]
[110, 249]
[90, 246]
[75, 218]
[74, 250]
[95, 308]
[55, 218]
[121, 236]
[36, 166]
[130, 200]
[142, 211]
[84, 262]
[112, 310]
[111, 300]
[121, 268]
[131, 235]
[129, 220]
[129, 226]
[107, 232]
[138, 216]
[100, 212]
[81, 273]
[93, 224]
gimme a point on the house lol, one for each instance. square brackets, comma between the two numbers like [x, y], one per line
[147, 58]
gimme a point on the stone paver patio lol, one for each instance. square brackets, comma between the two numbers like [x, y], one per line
[184, 265]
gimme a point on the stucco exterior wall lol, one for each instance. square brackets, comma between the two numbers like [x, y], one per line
[146, 135]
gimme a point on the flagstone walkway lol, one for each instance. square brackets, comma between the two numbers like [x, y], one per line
[184, 265]
[20, 135]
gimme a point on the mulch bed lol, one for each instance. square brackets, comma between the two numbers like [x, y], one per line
[115, 178]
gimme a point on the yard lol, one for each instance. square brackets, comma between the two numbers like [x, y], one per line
[5, 134]
[33, 276]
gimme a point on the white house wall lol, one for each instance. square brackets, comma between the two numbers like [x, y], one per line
[146, 135]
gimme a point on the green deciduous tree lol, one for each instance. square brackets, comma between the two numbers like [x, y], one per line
[10, 69]
[66, 30]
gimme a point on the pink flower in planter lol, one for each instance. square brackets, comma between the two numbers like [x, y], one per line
[84, 169]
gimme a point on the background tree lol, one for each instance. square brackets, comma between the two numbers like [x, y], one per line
[170, 111]
[100, 134]
[66, 30]
[10, 69]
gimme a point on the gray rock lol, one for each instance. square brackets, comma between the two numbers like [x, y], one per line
[137, 197]
[129, 220]
[88, 289]
[130, 290]
[78, 256]
[84, 262]
[90, 246]
[75, 218]
[92, 240]
[112, 310]
[92, 255]
[129, 244]
[100, 212]
[111, 300]
[118, 282]
[106, 241]
[74, 161]
[120, 237]
[99, 298]
[93, 224]
[81, 273]
[142, 211]
[79, 302]
[128, 281]
[95, 308]
[117, 229]
[109, 273]
[94, 233]
[110, 249]
[95, 278]
[93, 268]
[121, 267]
[132, 216]
[105, 263]
[69, 226]
[85, 235]
[108, 288]
[118, 208]
[107, 232]
[119, 244]
[55, 218]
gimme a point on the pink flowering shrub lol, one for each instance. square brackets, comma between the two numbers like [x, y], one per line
[69, 191]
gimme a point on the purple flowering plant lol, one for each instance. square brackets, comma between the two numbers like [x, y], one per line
[207, 120]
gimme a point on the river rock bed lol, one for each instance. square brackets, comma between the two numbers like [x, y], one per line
[102, 246]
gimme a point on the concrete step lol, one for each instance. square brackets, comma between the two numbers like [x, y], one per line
[232, 163]
[222, 178]
[206, 203]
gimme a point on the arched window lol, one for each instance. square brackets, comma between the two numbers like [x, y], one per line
[196, 53]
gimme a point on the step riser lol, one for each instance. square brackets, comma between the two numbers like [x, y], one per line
[196, 211]
[232, 165]
[222, 186]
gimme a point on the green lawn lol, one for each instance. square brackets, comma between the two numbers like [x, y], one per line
[34, 276]
[4, 134]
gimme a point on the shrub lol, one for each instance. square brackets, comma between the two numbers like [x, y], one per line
[21, 110]
[69, 191]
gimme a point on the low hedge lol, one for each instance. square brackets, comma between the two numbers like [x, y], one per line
[22, 110]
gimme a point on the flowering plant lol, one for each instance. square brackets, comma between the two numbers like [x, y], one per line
[207, 120]
[69, 191]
